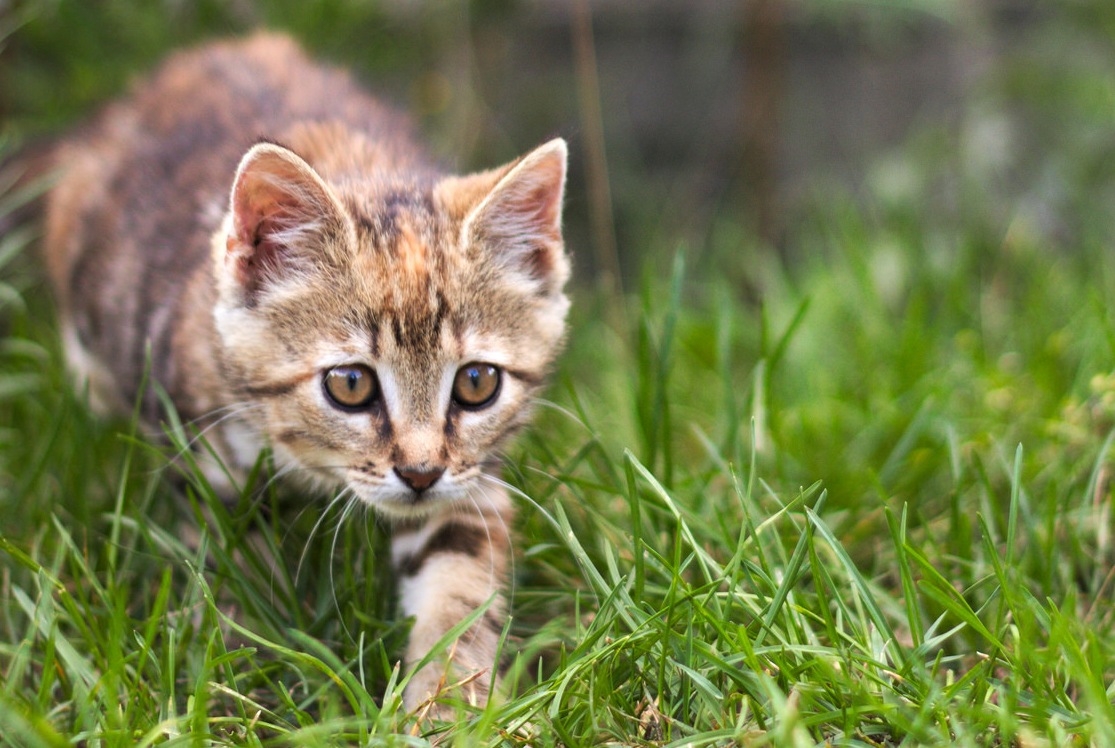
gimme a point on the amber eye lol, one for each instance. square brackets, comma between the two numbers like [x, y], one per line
[475, 385]
[351, 386]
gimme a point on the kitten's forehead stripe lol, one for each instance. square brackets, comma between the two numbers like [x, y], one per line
[373, 337]
[417, 204]
[364, 222]
[418, 331]
[380, 218]
[412, 253]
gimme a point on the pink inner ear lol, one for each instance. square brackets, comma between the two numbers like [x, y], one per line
[542, 201]
[259, 256]
[255, 252]
[256, 204]
[523, 218]
[541, 209]
[279, 207]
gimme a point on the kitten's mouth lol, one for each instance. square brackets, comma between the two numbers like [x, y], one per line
[400, 502]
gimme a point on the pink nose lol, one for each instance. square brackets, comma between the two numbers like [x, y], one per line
[419, 479]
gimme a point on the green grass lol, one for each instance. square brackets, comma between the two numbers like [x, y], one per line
[856, 493]
[873, 510]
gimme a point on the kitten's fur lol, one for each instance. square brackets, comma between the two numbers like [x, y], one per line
[341, 245]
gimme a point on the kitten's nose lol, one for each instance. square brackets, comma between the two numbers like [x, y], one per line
[419, 479]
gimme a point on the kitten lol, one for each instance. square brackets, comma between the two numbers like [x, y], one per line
[381, 326]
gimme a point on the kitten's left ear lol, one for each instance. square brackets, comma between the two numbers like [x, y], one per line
[519, 220]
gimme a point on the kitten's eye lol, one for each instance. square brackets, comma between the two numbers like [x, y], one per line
[476, 385]
[352, 386]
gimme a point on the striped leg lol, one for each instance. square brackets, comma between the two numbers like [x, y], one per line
[449, 567]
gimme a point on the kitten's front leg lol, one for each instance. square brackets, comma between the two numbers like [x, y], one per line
[449, 567]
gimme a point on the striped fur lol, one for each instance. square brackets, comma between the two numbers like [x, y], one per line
[249, 268]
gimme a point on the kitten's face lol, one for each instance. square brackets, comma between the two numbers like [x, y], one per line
[392, 341]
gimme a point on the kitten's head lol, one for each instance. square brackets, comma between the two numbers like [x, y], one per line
[391, 333]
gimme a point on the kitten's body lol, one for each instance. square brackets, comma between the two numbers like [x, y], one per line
[343, 256]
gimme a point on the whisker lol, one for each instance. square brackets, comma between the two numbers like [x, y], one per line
[281, 472]
[512, 489]
[487, 534]
[507, 530]
[306, 506]
[243, 404]
[551, 405]
[352, 501]
[313, 531]
[229, 411]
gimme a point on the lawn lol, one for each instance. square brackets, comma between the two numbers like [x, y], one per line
[855, 490]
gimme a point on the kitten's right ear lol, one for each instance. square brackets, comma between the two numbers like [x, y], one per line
[284, 217]
[518, 220]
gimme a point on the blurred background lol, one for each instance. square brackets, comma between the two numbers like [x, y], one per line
[717, 125]
[865, 247]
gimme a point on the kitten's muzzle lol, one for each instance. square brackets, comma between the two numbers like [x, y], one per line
[419, 479]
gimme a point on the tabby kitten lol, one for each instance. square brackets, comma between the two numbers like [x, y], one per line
[381, 326]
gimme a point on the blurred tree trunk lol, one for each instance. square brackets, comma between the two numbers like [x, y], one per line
[764, 59]
[6, 42]
[596, 161]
